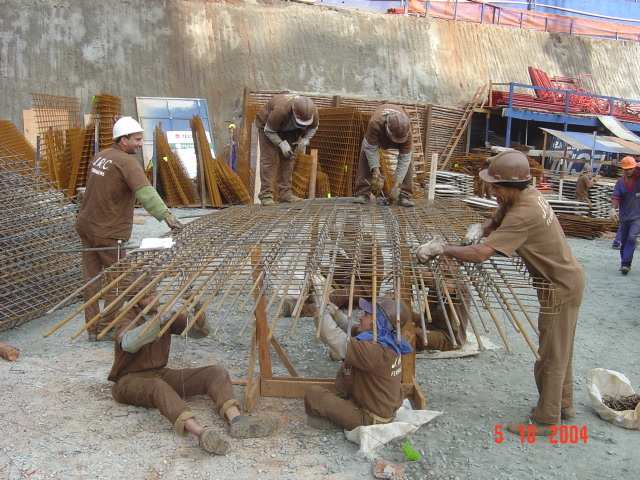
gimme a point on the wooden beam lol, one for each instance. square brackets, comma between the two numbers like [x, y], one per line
[288, 387]
[314, 173]
[260, 313]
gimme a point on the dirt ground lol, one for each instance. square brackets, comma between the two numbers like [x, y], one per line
[58, 419]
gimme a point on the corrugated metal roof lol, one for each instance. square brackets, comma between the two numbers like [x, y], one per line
[585, 141]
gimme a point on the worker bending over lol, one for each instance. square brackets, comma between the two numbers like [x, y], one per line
[286, 125]
[626, 209]
[115, 181]
[525, 224]
[142, 379]
[369, 380]
[389, 128]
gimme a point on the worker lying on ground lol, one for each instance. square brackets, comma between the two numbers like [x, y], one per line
[525, 224]
[115, 181]
[286, 125]
[142, 379]
[369, 380]
[626, 209]
[389, 128]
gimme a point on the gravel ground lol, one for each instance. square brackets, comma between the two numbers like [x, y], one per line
[59, 420]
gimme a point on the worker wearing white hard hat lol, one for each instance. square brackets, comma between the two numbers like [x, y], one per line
[115, 181]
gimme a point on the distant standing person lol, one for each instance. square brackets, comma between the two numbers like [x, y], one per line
[583, 185]
[626, 209]
[286, 125]
[115, 181]
[389, 128]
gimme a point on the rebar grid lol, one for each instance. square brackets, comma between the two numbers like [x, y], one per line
[14, 141]
[177, 187]
[105, 110]
[229, 260]
[37, 223]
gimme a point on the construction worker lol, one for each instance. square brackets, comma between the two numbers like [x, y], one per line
[626, 209]
[583, 185]
[525, 224]
[115, 181]
[389, 128]
[286, 125]
[369, 380]
[142, 379]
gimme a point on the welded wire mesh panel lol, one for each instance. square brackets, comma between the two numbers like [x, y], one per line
[36, 225]
[320, 250]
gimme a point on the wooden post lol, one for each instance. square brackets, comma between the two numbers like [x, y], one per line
[260, 313]
[314, 173]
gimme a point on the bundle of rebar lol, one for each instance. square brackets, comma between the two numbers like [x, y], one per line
[620, 404]
[177, 188]
[105, 110]
[36, 225]
[222, 184]
[237, 257]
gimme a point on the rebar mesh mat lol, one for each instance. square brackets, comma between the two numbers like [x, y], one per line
[37, 223]
[226, 261]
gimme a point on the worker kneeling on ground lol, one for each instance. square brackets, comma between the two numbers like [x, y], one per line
[369, 380]
[626, 209]
[286, 125]
[115, 181]
[142, 379]
[525, 224]
[389, 128]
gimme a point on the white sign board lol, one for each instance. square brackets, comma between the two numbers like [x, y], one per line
[181, 142]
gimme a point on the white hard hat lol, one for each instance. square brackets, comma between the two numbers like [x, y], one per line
[126, 126]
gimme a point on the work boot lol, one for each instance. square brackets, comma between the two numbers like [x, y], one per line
[211, 442]
[568, 413]
[530, 425]
[406, 202]
[244, 426]
[321, 423]
[267, 201]
[289, 197]
[624, 269]
[362, 199]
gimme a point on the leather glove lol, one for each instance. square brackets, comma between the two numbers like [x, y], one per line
[614, 215]
[429, 250]
[173, 223]
[474, 234]
[395, 192]
[377, 182]
[303, 143]
[285, 148]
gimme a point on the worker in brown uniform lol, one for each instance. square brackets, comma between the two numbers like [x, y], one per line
[438, 335]
[286, 125]
[583, 185]
[142, 378]
[525, 224]
[388, 128]
[115, 181]
[369, 380]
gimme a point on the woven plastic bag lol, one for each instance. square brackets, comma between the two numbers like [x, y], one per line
[609, 382]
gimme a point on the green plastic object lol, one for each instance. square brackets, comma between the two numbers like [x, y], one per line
[410, 453]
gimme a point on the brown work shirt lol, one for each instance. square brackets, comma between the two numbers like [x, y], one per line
[107, 208]
[278, 115]
[530, 228]
[376, 133]
[583, 185]
[151, 356]
[375, 377]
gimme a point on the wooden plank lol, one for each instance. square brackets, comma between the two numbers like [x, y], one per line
[288, 387]
[253, 384]
[262, 328]
[314, 173]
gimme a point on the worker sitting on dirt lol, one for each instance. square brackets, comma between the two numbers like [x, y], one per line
[583, 185]
[285, 123]
[389, 128]
[369, 380]
[525, 224]
[626, 209]
[115, 181]
[142, 379]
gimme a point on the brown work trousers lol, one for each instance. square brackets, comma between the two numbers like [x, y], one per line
[272, 160]
[553, 372]
[166, 388]
[363, 179]
[345, 413]
[436, 340]
[93, 263]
